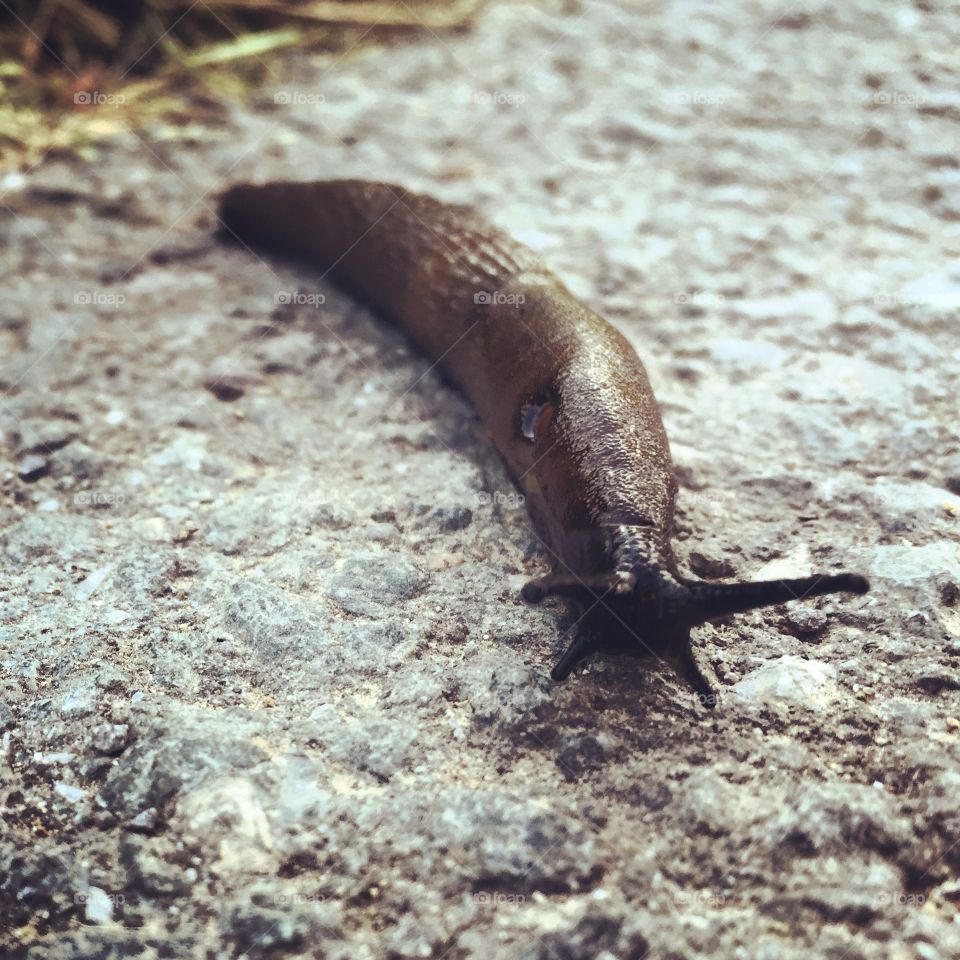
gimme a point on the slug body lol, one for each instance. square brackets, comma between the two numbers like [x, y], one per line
[561, 393]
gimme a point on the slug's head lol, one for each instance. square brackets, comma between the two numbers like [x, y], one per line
[644, 608]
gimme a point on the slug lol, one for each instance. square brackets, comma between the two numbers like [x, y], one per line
[562, 394]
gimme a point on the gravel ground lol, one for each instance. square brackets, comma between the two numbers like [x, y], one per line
[267, 689]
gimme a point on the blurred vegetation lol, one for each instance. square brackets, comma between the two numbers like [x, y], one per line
[73, 71]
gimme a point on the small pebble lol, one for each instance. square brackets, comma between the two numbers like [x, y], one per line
[98, 907]
[92, 583]
[450, 518]
[110, 738]
[46, 436]
[382, 532]
[69, 792]
[805, 622]
[146, 820]
[792, 679]
[936, 680]
[31, 468]
[710, 567]
[227, 388]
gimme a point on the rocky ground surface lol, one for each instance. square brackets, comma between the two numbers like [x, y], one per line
[267, 687]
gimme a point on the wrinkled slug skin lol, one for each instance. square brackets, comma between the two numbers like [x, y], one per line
[561, 393]
[602, 457]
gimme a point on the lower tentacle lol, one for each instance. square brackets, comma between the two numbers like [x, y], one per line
[642, 604]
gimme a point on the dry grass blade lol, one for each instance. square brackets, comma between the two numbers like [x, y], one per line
[104, 28]
[249, 45]
[380, 13]
[61, 61]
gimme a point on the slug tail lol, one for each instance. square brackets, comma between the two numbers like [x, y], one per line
[701, 602]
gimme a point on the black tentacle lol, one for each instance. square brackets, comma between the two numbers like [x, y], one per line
[643, 605]
[704, 601]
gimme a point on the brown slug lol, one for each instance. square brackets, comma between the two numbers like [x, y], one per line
[562, 394]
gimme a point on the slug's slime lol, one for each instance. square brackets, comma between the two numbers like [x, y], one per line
[562, 394]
